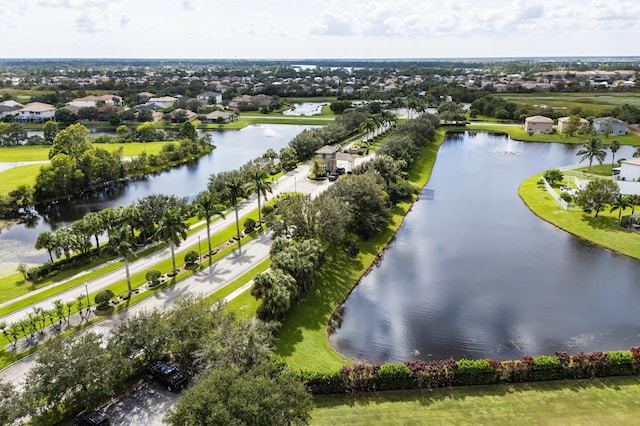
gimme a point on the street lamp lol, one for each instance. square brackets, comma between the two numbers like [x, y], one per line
[295, 184]
[86, 289]
[199, 251]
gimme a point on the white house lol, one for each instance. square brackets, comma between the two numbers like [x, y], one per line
[206, 96]
[6, 111]
[609, 126]
[630, 169]
[36, 111]
[538, 124]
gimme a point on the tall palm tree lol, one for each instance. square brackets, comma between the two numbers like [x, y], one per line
[121, 243]
[47, 240]
[207, 206]
[614, 146]
[235, 190]
[592, 149]
[130, 215]
[94, 224]
[620, 202]
[172, 227]
[261, 186]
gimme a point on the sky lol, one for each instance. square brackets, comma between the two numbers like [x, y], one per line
[298, 29]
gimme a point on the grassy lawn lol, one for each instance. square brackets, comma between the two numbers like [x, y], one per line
[22, 175]
[602, 230]
[591, 103]
[586, 402]
[258, 118]
[518, 133]
[41, 152]
[302, 340]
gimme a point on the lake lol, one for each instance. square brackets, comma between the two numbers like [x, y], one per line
[233, 149]
[474, 274]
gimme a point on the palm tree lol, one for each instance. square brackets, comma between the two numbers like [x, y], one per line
[633, 200]
[235, 190]
[207, 206]
[620, 202]
[46, 240]
[130, 215]
[172, 227]
[592, 149]
[94, 224]
[261, 185]
[614, 146]
[120, 243]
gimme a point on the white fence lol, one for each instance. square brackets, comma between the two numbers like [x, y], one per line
[556, 196]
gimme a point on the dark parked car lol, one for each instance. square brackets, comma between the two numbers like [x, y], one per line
[168, 375]
[333, 176]
[92, 418]
[340, 170]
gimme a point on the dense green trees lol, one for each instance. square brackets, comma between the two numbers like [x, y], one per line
[596, 195]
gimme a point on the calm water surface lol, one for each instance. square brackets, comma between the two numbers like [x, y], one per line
[473, 273]
[233, 149]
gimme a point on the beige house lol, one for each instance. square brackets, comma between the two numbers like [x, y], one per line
[93, 101]
[219, 116]
[327, 157]
[538, 124]
[564, 121]
[36, 112]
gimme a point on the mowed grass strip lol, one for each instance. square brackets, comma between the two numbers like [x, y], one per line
[602, 230]
[302, 340]
[585, 402]
[41, 152]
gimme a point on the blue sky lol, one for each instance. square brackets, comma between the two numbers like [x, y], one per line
[318, 28]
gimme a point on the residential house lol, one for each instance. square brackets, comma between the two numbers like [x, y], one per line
[630, 170]
[218, 116]
[327, 156]
[538, 124]
[7, 111]
[180, 115]
[36, 112]
[347, 90]
[609, 126]
[11, 103]
[94, 101]
[165, 101]
[564, 121]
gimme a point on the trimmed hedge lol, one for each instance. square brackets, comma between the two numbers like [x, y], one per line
[465, 372]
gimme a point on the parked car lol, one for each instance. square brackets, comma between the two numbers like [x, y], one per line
[333, 176]
[91, 418]
[340, 170]
[169, 375]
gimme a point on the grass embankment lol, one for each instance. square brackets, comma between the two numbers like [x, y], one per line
[41, 152]
[517, 133]
[602, 230]
[257, 118]
[302, 340]
[585, 402]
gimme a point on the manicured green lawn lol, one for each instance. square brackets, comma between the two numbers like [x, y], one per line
[41, 152]
[21, 175]
[586, 402]
[602, 230]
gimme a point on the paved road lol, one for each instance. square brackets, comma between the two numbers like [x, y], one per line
[7, 165]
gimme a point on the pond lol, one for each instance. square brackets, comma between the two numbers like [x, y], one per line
[307, 108]
[233, 149]
[473, 273]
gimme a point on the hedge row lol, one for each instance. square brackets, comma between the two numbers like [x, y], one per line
[464, 372]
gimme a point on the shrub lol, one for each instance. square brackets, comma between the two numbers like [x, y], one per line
[103, 298]
[566, 197]
[191, 257]
[395, 376]
[620, 364]
[474, 372]
[249, 225]
[353, 248]
[153, 276]
[546, 367]
[322, 383]
[267, 209]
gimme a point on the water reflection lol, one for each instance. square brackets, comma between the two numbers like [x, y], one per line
[234, 148]
[473, 273]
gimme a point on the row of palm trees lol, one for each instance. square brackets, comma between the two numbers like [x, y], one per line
[375, 122]
[593, 148]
